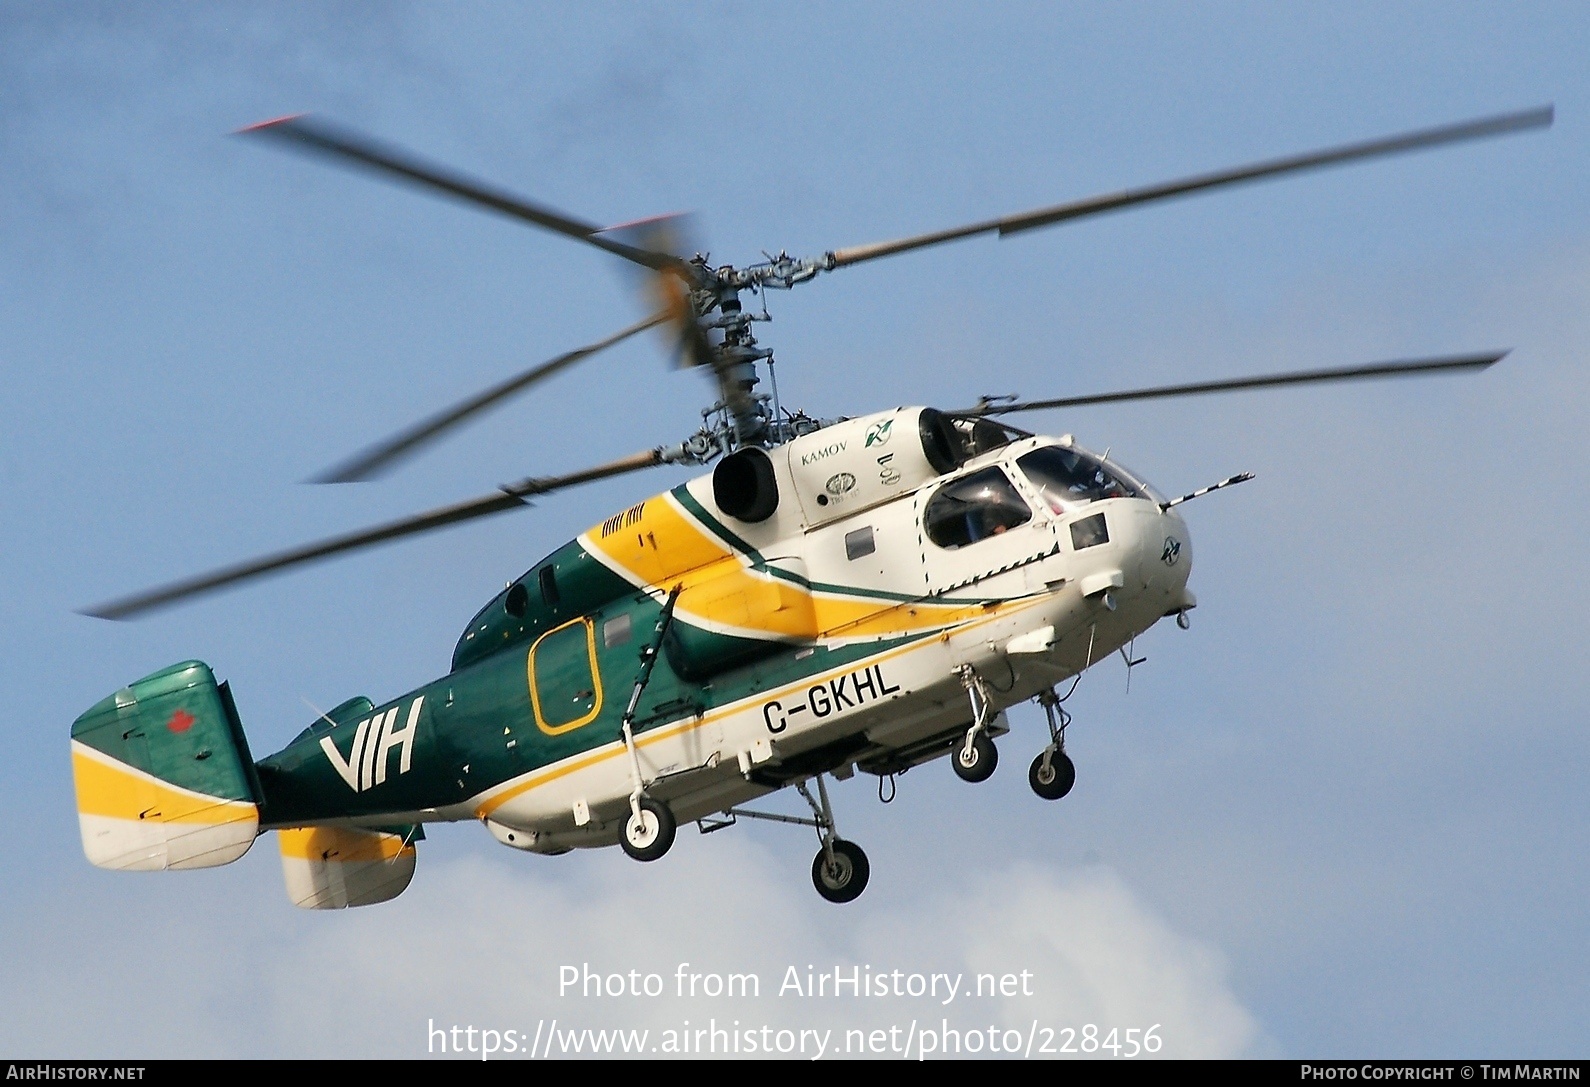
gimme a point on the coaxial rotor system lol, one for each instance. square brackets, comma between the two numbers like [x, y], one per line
[701, 307]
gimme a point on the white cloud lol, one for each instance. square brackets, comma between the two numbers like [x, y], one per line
[176, 969]
[483, 942]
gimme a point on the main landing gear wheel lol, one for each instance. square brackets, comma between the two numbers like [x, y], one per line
[1054, 780]
[845, 877]
[976, 764]
[650, 836]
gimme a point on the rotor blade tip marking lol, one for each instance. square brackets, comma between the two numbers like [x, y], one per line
[274, 122]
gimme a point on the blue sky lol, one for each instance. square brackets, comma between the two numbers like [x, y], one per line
[1343, 815]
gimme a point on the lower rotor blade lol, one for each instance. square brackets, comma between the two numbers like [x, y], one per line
[547, 484]
[1297, 377]
[510, 497]
[382, 457]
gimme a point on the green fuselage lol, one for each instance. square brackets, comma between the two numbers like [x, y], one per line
[482, 725]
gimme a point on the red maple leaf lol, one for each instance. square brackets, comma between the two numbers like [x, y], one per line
[181, 721]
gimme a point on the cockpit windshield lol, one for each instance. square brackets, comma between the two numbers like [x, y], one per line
[1068, 479]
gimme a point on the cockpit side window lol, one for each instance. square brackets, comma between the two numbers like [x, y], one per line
[1067, 479]
[973, 508]
[979, 436]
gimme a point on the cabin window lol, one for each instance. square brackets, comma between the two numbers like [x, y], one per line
[859, 544]
[565, 690]
[549, 585]
[1089, 532]
[973, 508]
[517, 601]
[616, 631]
[979, 436]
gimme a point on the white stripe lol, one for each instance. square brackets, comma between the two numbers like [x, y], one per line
[403, 737]
[348, 769]
[372, 746]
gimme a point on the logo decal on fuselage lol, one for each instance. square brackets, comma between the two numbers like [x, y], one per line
[373, 739]
[1172, 551]
[879, 433]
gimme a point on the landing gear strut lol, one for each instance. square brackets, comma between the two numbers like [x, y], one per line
[649, 828]
[840, 869]
[1053, 773]
[976, 756]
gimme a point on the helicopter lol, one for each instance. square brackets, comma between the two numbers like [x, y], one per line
[869, 593]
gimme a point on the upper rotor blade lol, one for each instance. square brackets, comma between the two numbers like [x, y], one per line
[1095, 205]
[509, 497]
[383, 456]
[1296, 377]
[348, 147]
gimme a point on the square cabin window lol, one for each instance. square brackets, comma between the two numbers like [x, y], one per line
[859, 543]
[1089, 532]
[616, 631]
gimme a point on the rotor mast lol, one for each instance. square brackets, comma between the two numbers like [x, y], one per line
[742, 417]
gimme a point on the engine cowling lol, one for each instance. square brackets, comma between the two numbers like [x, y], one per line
[745, 485]
[861, 462]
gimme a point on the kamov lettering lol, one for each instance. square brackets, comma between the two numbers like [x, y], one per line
[822, 454]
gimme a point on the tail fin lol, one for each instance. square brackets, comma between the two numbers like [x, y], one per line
[163, 773]
[328, 868]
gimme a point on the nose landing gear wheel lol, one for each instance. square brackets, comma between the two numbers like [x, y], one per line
[650, 836]
[978, 763]
[845, 878]
[1055, 780]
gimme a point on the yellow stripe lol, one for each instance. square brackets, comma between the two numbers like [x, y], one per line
[341, 844]
[665, 546]
[736, 601]
[111, 788]
[659, 546]
[570, 766]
